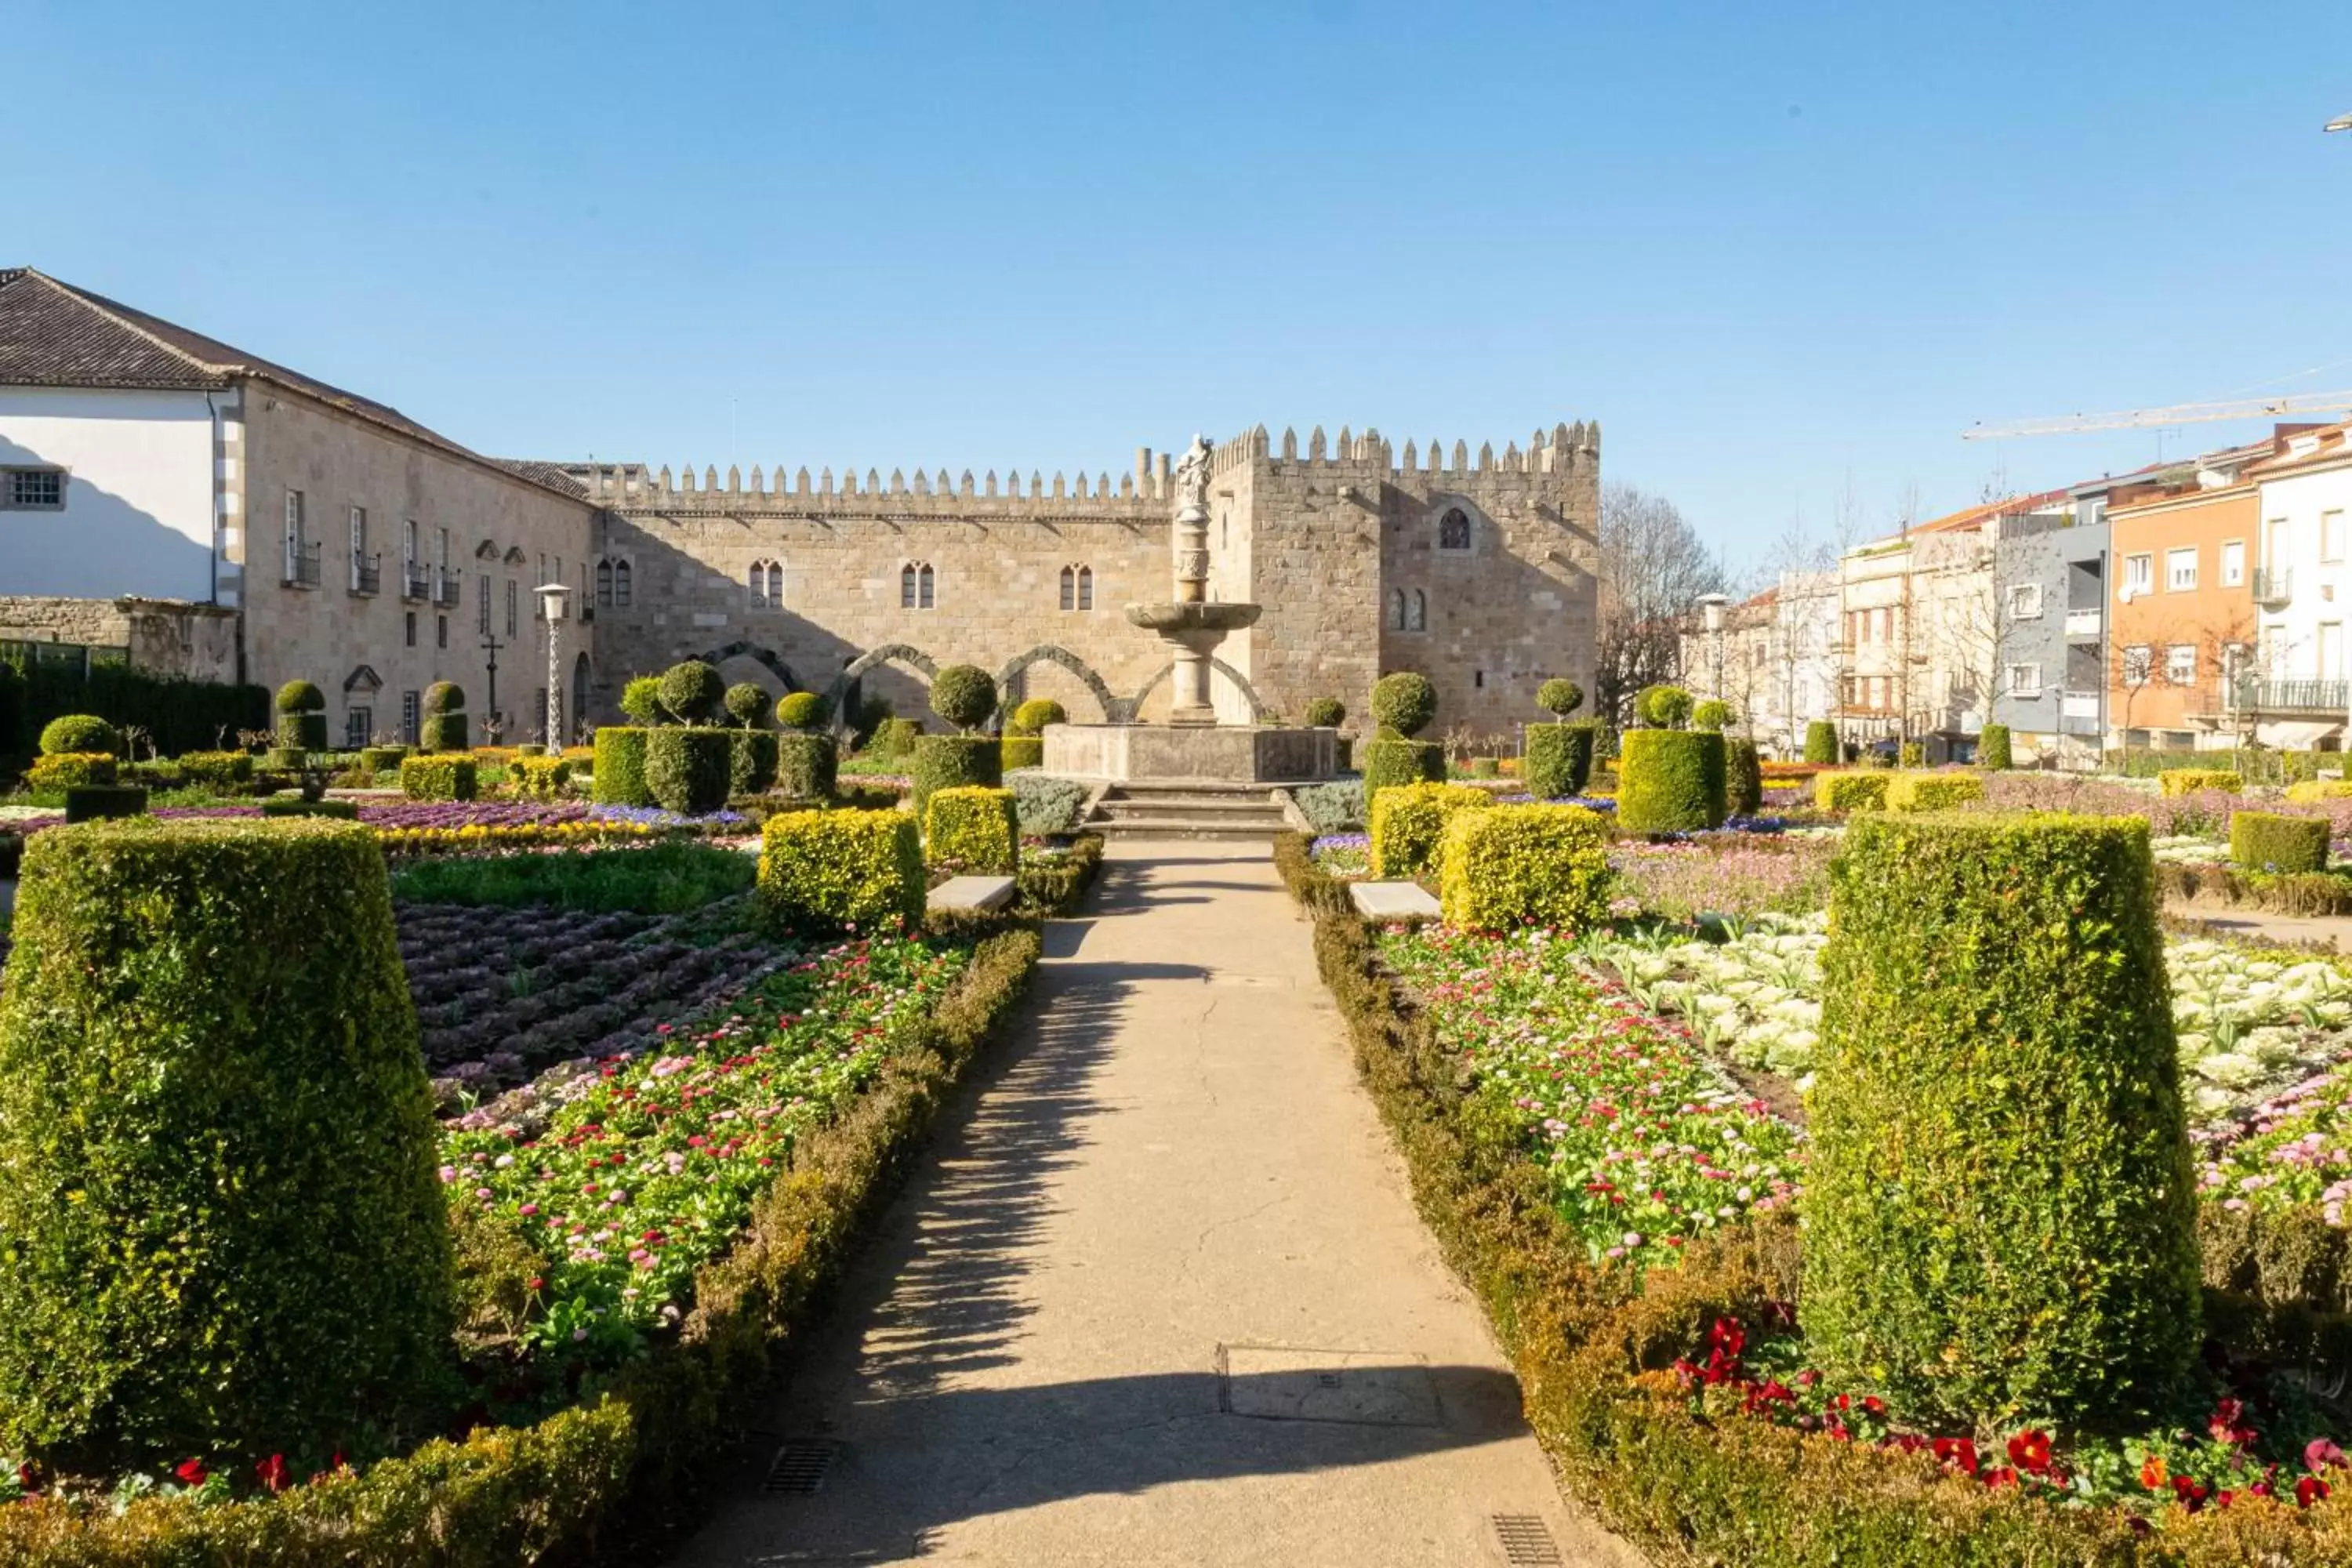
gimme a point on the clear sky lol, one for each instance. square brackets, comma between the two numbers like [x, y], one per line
[1784, 253]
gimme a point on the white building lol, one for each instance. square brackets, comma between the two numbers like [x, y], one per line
[2304, 589]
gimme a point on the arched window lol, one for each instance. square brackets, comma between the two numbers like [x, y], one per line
[914, 586]
[767, 580]
[621, 585]
[1069, 587]
[1453, 529]
[1418, 619]
[1086, 587]
[775, 583]
[759, 582]
[1077, 587]
[1396, 611]
[605, 583]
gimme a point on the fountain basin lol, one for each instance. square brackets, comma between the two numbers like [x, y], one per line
[1222, 753]
[1173, 621]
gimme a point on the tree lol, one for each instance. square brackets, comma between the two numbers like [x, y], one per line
[1652, 567]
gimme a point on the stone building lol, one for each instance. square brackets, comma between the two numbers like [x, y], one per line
[343, 543]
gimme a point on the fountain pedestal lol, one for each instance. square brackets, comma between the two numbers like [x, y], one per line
[1193, 631]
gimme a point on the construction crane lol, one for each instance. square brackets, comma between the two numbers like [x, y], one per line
[2336, 402]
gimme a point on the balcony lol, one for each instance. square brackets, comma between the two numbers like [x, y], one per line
[301, 565]
[2083, 623]
[2273, 586]
[416, 583]
[367, 575]
[2328, 697]
[448, 587]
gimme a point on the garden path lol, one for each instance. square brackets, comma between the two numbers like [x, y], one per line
[2332, 930]
[1161, 1296]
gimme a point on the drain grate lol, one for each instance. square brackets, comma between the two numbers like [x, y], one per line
[1526, 1544]
[800, 1466]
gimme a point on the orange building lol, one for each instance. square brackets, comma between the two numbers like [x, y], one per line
[2186, 554]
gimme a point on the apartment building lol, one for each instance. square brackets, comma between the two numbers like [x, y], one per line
[2050, 569]
[1776, 659]
[2181, 618]
[2299, 686]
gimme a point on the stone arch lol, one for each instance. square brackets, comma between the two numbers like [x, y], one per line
[1134, 704]
[765, 658]
[1048, 653]
[835, 695]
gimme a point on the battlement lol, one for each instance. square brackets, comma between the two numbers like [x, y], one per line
[635, 486]
[1563, 449]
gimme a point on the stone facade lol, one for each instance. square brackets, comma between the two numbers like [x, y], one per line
[167, 636]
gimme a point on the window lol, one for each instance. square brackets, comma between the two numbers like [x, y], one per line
[1077, 587]
[2180, 571]
[411, 703]
[441, 631]
[2139, 575]
[2139, 661]
[34, 490]
[1418, 620]
[412, 628]
[2233, 562]
[2025, 602]
[441, 549]
[2025, 681]
[408, 542]
[914, 586]
[2331, 535]
[358, 722]
[2181, 665]
[620, 584]
[604, 583]
[293, 520]
[766, 579]
[1396, 611]
[1453, 529]
[483, 601]
[513, 592]
[359, 531]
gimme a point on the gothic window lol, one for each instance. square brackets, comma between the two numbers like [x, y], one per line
[485, 613]
[914, 586]
[762, 595]
[1077, 587]
[775, 583]
[620, 584]
[1396, 611]
[1418, 619]
[1453, 529]
[605, 583]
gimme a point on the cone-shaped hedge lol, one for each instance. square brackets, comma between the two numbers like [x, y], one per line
[223, 1231]
[2000, 1207]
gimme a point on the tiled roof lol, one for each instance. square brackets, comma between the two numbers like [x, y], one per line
[54, 334]
[2331, 444]
[552, 475]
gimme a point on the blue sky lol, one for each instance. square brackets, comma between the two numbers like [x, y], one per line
[1785, 253]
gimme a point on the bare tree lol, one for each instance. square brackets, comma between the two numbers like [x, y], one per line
[1652, 566]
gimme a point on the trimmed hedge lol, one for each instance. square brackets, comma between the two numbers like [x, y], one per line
[751, 760]
[1993, 748]
[1743, 777]
[92, 803]
[807, 766]
[617, 777]
[81, 732]
[295, 806]
[1821, 743]
[1389, 763]
[222, 771]
[825, 870]
[440, 776]
[540, 778]
[895, 738]
[2311, 791]
[61, 771]
[178, 714]
[2263, 841]
[800, 710]
[1999, 1202]
[1559, 761]
[224, 1229]
[1408, 821]
[1403, 703]
[1055, 887]
[381, 759]
[1671, 780]
[1526, 865]
[2189, 781]
[444, 729]
[954, 761]
[1851, 792]
[687, 770]
[976, 828]
[1021, 752]
[1931, 792]
[2303, 893]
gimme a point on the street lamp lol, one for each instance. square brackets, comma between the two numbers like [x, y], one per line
[1711, 610]
[551, 596]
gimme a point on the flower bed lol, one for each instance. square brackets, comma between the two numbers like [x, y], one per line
[1731, 874]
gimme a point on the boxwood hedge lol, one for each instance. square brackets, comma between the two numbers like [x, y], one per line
[826, 871]
[1821, 743]
[1932, 792]
[2189, 781]
[1850, 792]
[2265, 841]
[1407, 823]
[1526, 865]
[1559, 759]
[1389, 763]
[618, 774]
[954, 761]
[1671, 780]
[976, 828]
[807, 766]
[751, 759]
[440, 776]
[687, 770]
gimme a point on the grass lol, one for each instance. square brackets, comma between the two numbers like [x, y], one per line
[661, 879]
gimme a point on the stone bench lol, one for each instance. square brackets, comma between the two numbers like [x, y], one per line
[971, 893]
[1393, 900]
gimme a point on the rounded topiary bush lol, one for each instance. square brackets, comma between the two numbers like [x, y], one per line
[1560, 696]
[1671, 780]
[747, 704]
[691, 690]
[1391, 763]
[301, 718]
[641, 701]
[223, 1227]
[2001, 1203]
[445, 696]
[444, 729]
[799, 710]
[1711, 714]
[964, 695]
[1664, 707]
[78, 732]
[1992, 747]
[300, 697]
[1821, 743]
[1404, 702]
[689, 770]
[1326, 713]
[1032, 717]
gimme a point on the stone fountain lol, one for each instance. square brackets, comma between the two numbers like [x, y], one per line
[1192, 745]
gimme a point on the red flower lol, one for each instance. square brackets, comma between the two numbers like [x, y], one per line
[2030, 1451]
[2188, 1493]
[1875, 1406]
[2003, 1477]
[2319, 1453]
[272, 1471]
[2309, 1491]
[192, 1472]
[1727, 1336]
[2228, 1423]
[1958, 1453]
[2153, 1475]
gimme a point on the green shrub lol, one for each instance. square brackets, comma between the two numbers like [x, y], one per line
[1671, 780]
[225, 1231]
[1932, 792]
[300, 697]
[1524, 865]
[976, 828]
[1391, 763]
[964, 695]
[1850, 792]
[751, 759]
[2189, 781]
[747, 703]
[295, 806]
[2311, 791]
[445, 696]
[441, 776]
[641, 701]
[1913, 755]
[1407, 823]
[617, 775]
[799, 710]
[1560, 697]
[540, 778]
[1992, 747]
[953, 762]
[660, 878]
[1999, 1205]
[61, 771]
[1047, 806]
[1821, 744]
[286, 759]
[692, 691]
[687, 770]
[824, 870]
[1326, 713]
[1664, 707]
[303, 734]
[1032, 717]
[78, 732]
[221, 771]
[1332, 807]
[1743, 777]
[178, 714]
[381, 759]
[1021, 752]
[894, 739]
[445, 732]
[1403, 703]
[1054, 886]
[90, 803]
[1711, 714]
[806, 767]
[2263, 841]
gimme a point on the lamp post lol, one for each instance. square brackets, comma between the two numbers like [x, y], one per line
[1711, 609]
[552, 597]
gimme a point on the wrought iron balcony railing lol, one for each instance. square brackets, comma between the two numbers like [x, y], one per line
[301, 565]
[367, 574]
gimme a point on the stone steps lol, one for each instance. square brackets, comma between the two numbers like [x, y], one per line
[1188, 809]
